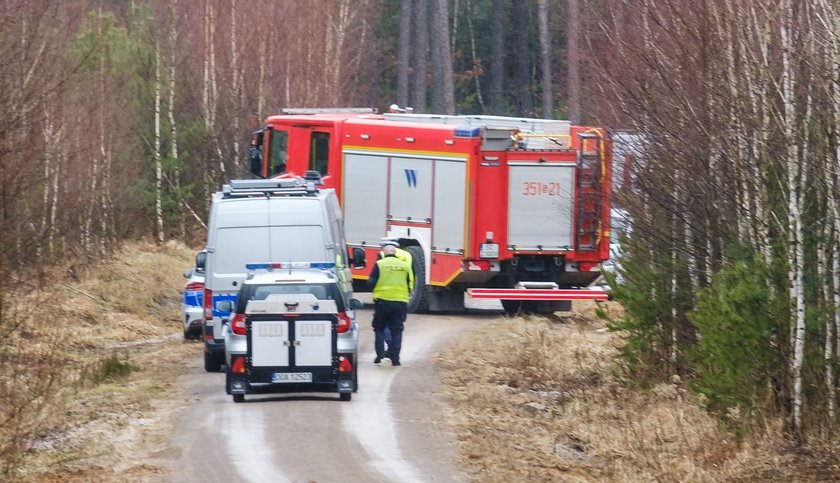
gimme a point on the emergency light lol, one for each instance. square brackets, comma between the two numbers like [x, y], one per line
[290, 265]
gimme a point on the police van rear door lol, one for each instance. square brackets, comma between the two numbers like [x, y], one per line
[292, 340]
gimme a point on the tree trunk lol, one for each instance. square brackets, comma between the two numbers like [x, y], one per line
[523, 88]
[573, 46]
[420, 53]
[443, 94]
[545, 60]
[236, 88]
[157, 157]
[210, 96]
[173, 126]
[475, 60]
[495, 92]
[795, 229]
[403, 64]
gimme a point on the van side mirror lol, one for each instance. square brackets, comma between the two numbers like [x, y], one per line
[188, 274]
[358, 260]
[255, 158]
[356, 304]
[255, 153]
[200, 261]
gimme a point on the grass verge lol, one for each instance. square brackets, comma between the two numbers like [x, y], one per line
[535, 399]
[94, 356]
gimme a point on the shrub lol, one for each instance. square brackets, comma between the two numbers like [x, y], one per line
[734, 360]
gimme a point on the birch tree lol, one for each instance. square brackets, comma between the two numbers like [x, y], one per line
[161, 237]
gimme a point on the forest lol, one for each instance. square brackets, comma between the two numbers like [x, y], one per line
[121, 117]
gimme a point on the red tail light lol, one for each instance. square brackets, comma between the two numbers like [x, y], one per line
[238, 366]
[237, 325]
[343, 323]
[208, 304]
[344, 364]
[193, 286]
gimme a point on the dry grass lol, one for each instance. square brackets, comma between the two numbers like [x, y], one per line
[537, 400]
[111, 342]
[532, 399]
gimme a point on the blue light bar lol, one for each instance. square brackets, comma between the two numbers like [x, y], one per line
[290, 265]
[467, 132]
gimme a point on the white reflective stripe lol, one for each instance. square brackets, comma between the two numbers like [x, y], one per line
[535, 294]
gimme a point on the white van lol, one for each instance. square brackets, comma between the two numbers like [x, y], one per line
[267, 220]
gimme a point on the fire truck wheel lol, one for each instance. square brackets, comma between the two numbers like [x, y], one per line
[419, 301]
[512, 307]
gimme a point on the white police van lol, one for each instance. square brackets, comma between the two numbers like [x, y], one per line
[293, 330]
[266, 219]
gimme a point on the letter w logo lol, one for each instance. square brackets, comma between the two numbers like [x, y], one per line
[411, 177]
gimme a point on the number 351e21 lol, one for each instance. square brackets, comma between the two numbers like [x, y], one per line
[537, 188]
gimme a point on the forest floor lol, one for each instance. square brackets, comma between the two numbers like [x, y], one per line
[530, 398]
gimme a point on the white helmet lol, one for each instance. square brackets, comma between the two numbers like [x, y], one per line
[389, 241]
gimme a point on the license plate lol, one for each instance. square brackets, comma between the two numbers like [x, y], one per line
[281, 377]
[488, 250]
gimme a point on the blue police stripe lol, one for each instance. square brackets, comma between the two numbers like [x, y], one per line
[194, 298]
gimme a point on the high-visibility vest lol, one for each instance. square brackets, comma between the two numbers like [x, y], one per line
[403, 255]
[395, 280]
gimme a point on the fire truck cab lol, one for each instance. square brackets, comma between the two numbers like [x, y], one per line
[515, 209]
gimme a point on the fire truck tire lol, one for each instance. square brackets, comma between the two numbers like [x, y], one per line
[512, 307]
[237, 398]
[419, 301]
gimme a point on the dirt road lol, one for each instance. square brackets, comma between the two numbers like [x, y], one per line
[394, 429]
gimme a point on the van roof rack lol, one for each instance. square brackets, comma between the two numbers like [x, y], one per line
[272, 186]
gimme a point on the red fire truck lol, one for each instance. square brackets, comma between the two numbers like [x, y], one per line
[492, 207]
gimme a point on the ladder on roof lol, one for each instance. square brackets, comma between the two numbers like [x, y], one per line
[590, 174]
[533, 133]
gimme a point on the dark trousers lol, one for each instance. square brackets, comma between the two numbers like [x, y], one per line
[390, 315]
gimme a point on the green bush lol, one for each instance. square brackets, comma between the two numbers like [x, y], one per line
[734, 361]
[646, 323]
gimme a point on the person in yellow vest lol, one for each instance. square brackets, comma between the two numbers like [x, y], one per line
[404, 256]
[392, 281]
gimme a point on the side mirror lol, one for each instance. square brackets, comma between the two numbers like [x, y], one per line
[356, 304]
[224, 306]
[255, 158]
[200, 261]
[255, 153]
[358, 260]
[188, 274]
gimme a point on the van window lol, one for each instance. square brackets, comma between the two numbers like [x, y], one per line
[279, 148]
[239, 246]
[319, 151]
